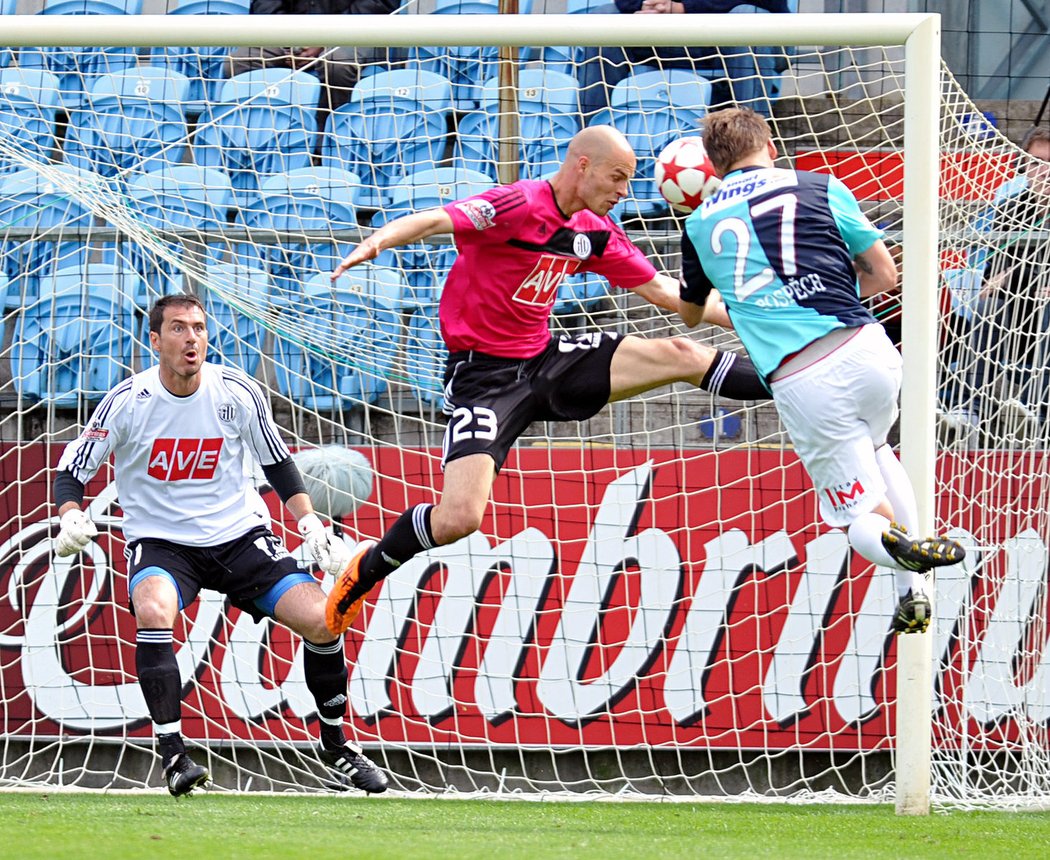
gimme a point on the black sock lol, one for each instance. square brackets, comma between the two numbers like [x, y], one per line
[171, 745]
[161, 686]
[325, 669]
[734, 376]
[407, 537]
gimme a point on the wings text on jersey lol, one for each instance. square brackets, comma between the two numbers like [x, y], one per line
[184, 459]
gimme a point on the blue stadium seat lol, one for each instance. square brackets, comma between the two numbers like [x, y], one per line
[7, 7]
[235, 337]
[134, 122]
[394, 123]
[78, 68]
[308, 377]
[307, 199]
[71, 345]
[567, 59]
[205, 66]
[370, 299]
[29, 101]
[425, 354]
[185, 197]
[466, 67]
[264, 123]
[549, 116]
[41, 205]
[424, 264]
[652, 109]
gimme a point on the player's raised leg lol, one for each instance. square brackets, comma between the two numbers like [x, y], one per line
[641, 364]
[468, 482]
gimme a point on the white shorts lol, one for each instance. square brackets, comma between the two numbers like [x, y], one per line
[838, 411]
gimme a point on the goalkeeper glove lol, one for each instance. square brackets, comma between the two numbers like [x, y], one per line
[77, 532]
[330, 552]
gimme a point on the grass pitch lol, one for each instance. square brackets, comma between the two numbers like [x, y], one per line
[114, 827]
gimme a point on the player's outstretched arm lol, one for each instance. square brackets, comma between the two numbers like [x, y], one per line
[712, 311]
[661, 291]
[401, 231]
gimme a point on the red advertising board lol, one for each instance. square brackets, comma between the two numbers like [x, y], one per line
[613, 597]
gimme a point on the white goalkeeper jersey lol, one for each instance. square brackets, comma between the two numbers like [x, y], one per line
[182, 464]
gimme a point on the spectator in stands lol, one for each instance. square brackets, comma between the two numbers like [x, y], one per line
[751, 78]
[1005, 396]
[337, 68]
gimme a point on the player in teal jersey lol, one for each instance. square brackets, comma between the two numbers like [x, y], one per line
[784, 257]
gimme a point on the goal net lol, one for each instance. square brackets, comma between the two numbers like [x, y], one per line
[652, 606]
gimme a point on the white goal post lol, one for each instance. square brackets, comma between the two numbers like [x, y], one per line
[883, 98]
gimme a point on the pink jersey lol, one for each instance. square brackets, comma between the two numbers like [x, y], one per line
[515, 247]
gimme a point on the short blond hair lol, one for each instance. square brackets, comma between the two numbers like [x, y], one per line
[733, 134]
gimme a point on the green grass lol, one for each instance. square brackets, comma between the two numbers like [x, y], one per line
[114, 827]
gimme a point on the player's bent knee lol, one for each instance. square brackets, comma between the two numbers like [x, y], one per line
[691, 356]
[452, 524]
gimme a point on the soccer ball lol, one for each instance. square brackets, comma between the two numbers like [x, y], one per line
[684, 174]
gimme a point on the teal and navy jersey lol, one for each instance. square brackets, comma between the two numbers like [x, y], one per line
[779, 247]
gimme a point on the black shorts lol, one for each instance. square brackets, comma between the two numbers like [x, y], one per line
[491, 401]
[253, 571]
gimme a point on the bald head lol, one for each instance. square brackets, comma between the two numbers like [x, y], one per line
[596, 171]
[598, 142]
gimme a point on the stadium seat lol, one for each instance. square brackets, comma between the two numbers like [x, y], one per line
[370, 299]
[29, 101]
[78, 68]
[567, 59]
[549, 116]
[34, 206]
[652, 109]
[318, 199]
[265, 123]
[394, 123]
[205, 66]
[425, 356]
[133, 122]
[71, 345]
[185, 197]
[305, 376]
[235, 337]
[424, 264]
[466, 67]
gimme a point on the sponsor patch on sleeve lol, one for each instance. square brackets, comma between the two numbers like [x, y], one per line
[481, 213]
[94, 433]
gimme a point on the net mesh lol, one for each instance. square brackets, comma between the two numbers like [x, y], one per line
[652, 605]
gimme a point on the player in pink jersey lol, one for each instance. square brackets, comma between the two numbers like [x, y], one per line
[180, 434]
[504, 370]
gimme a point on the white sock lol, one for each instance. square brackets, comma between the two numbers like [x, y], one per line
[899, 491]
[865, 536]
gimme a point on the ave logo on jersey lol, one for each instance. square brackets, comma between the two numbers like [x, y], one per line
[184, 459]
[540, 287]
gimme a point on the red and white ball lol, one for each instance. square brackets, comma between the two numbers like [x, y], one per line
[684, 174]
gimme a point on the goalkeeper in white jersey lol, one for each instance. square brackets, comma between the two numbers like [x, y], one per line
[181, 435]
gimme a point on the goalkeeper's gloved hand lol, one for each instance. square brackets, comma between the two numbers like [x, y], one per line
[77, 532]
[330, 552]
